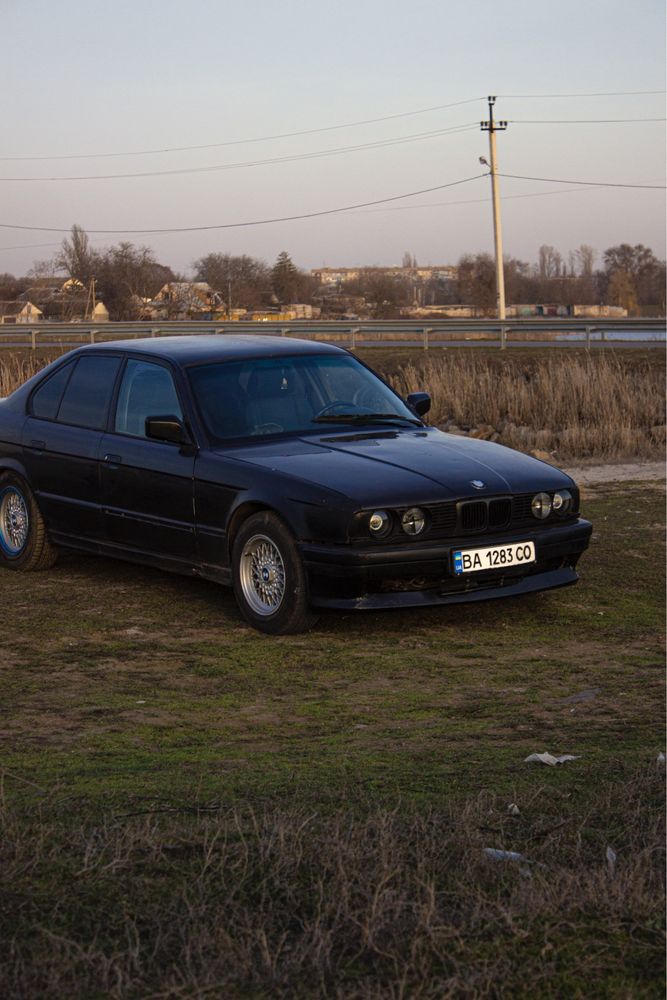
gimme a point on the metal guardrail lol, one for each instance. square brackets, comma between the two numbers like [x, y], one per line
[407, 332]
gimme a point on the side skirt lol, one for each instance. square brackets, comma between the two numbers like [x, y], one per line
[217, 574]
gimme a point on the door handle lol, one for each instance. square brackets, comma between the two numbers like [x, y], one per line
[39, 445]
[113, 459]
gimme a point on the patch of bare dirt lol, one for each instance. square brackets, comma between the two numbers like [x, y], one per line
[589, 475]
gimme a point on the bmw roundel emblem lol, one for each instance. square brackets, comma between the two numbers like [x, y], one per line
[478, 484]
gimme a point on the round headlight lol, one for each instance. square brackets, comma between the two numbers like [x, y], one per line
[413, 521]
[379, 523]
[541, 506]
[562, 501]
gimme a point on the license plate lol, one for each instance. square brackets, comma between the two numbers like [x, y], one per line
[493, 557]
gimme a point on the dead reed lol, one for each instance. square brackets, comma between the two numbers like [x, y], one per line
[279, 902]
[573, 406]
[14, 370]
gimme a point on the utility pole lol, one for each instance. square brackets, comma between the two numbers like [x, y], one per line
[492, 127]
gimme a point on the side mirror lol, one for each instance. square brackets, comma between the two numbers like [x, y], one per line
[167, 428]
[420, 402]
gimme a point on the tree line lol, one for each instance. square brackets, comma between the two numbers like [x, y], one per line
[126, 275]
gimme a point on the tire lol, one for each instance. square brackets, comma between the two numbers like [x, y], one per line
[268, 577]
[24, 542]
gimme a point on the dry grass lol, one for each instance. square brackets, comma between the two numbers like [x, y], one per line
[14, 370]
[572, 406]
[280, 902]
[575, 406]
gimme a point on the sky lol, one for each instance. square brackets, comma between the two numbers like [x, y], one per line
[82, 78]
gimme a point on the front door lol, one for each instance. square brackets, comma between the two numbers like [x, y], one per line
[147, 485]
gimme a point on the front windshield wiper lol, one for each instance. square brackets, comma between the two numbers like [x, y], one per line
[359, 419]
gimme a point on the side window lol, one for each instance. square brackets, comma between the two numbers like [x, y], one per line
[147, 390]
[88, 393]
[46, 400]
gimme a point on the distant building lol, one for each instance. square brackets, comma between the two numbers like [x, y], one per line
[296, 310]
[43, 291]
[340, 275]
[606, 312]
[100, 313]
[184, 300]
[522, 311]
[17, 311]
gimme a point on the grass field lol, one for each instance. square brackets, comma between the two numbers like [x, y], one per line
[192, 809]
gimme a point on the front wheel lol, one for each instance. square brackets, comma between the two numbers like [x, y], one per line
[268, 577]
[24, 543]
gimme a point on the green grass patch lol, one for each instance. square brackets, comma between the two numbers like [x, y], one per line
[190, 808]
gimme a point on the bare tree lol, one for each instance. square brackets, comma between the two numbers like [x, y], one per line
[126, 275]
[550, 262]
[76, 258]
[643, 270]
[244, 282]
[585, 257]
[476, 281]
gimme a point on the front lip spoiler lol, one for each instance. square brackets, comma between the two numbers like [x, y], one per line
[426, 558]
[550, 580]
[558, 550]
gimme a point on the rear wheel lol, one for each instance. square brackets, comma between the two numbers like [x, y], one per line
[24, 543]
[269, 578]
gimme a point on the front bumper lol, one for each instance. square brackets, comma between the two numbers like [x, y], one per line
[420, 574]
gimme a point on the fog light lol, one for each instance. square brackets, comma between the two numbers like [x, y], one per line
[413, 521]
[541, 506]
[562, 502]
[379, 523]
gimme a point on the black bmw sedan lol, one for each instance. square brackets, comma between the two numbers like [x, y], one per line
[285, 468]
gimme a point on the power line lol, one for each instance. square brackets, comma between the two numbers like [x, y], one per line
[555, 180]
[241, 142]
[466, 201]
[296, 157]
[308, 131]
[255, 222]
[611, 93]
[581, 121]
[335, 211]
[370, 211]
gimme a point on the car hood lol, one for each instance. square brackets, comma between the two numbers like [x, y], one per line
[398, 467]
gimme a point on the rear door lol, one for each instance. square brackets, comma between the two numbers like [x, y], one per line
[147, 485]
[61, 440]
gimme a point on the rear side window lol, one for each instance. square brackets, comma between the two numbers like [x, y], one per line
[46, 400]
[88, 393]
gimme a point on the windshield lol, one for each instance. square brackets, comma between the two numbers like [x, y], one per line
[262, 396]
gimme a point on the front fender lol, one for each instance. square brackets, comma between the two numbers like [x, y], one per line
[226, 490]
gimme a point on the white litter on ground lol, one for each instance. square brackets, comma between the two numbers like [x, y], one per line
[496, 855]
[610, 855]
[548, 758]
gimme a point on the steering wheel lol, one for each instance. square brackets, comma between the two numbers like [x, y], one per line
[336, 405]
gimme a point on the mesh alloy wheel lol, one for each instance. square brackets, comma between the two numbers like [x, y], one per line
[14, 522]
[262, 575]
[268, 576]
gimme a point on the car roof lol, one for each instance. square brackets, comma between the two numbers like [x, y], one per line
[221, 347]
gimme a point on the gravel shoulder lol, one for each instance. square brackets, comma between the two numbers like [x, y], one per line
[589, 475]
